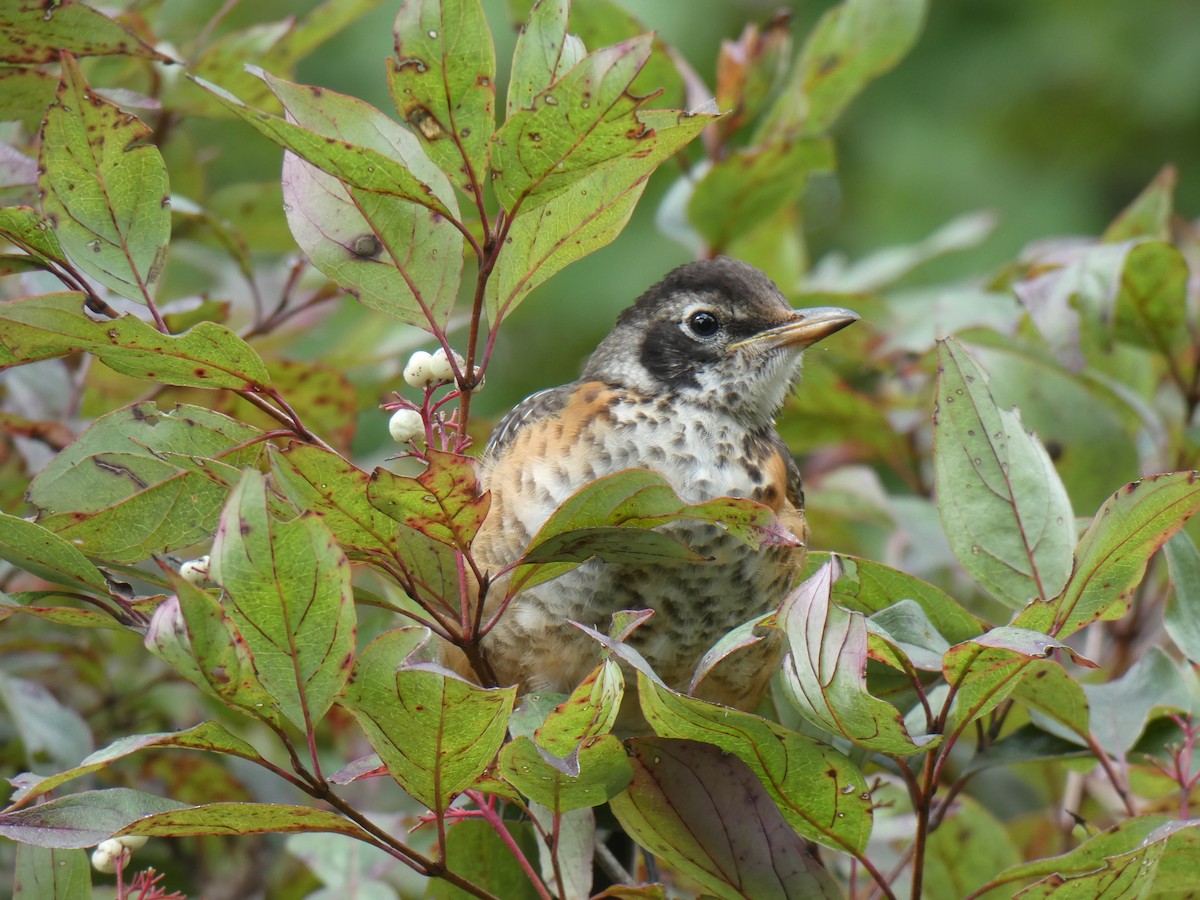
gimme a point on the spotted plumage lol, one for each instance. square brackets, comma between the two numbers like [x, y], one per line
[688, 384]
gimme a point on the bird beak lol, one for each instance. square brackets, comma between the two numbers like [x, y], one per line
[803, 329]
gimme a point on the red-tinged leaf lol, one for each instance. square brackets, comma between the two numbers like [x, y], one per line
[369, 766]
[435, 733]
[315, 479]
[287, 588]
[825, 671]
[595, 772]
[590, 711]
[43, 553]
[1127, 860]
[207, 736]
[81, 820]
[443, 81]
[1003, 507]
[984, 670]
[585, 217]
[104, 187]
[1152, 302]
[583, 120]
[33, 32]
[23, 227]
[243, 818]
[192, 633]
[53, 325]
[745, 635]
[821, 793]
[704, 812]
[396, 256]
[72, 617]
[443, 502]
[1111, 557]
[43, 873]
[139, 481]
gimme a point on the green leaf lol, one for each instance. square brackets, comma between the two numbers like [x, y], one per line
[140, 481]
[444, 84]
[825, 672]
[53, 325]
[984, 670]
[207, 736]
[367, 168]
[192, 633]
[1149, 215]
[242, 818]
[1120, 862]
[477, 853]
[287, 588]
[821, 793]
[964, 849]
[1056, 700]
[752, 184]
[50, 733]
[43, 553]
[593, 773]
[596, 521]
[708, 816]
[400, 257]
[1151, 304]
[325, 483]
[104, 187]
[1181, 617]
[1111, 557]
[435, 733]
[81, 820]
[443, 502]
[590, 711]
[544, 53]
[24, 227]
[43, 873]
[852, 44]
[31, 32]
[583, 218]
[1004, 509]
[908, 636]
[585, 119]
[1121, 708]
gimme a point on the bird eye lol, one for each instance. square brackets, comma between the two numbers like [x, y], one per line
[703, 324]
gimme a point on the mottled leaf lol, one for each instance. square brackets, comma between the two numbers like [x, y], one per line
[33, 32]
[544, 52]
[585, 119]
[821, 793]
[984, 670]
[400, 257]
[140, 481]
[104, 187]
[81, 820]
[443, 502]
[52, 325]
[705, 812]
[443, 81]
[287, 588]
[23, 227]
[1003, 507]
[825, 671]
[583, 218]
[435, 733]
[852, 44]
[1111, 557]
[591, 710]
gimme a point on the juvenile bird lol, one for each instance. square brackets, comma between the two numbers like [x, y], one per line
[688, 383]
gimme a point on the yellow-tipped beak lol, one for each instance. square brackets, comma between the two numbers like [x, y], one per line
[803, 329]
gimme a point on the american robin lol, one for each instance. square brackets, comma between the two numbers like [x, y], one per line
[688, 384]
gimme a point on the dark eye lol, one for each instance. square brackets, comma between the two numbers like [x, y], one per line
[703, 324]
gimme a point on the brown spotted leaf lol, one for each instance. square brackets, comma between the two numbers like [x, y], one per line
[104, 188]
[287, 588]
[36, 31]
[443, 502]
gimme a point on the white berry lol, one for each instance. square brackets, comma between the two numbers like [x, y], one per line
[418, 373]
[133, 841]
[107, 856]
[406, 425]
[440, 366]
[194, 571]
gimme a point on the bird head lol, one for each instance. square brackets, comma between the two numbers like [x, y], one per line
[715, 332]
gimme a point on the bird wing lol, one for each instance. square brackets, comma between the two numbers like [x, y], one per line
[531, 409]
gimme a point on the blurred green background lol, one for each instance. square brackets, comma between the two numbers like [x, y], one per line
[1053, 114]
